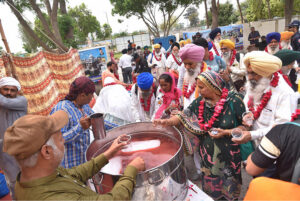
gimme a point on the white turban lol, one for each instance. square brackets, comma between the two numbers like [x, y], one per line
[10, 81]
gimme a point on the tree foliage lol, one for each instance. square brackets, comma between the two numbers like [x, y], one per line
[227, 14]
[258, 9]
[148, 11]
[54, 26]
[192, 15]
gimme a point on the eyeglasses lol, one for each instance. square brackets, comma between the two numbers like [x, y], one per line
[224, 49]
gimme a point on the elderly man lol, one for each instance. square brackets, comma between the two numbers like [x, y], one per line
[235, 68]
[268, 97]
[288, 58]
[38, 146]
[192, 57]
[174, 62]
[286, 39]
[215, 37]
[157, 59]
[273, 41]
[76, 133]
[143, 96]
[214, 62]
[12, 107]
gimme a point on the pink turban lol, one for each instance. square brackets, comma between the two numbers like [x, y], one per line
[192, 52]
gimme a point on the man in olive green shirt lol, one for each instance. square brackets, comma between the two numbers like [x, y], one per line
[38, 146]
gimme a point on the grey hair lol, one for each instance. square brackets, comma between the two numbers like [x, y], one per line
[32, 160]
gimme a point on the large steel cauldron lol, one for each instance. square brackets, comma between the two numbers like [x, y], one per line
[167, 181]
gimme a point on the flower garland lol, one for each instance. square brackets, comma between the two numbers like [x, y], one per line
[218, 109]
[147, 108]
[265, 99]
[165, 99]
[215, 49]
[286, 78]
[233, 57]
[211, 56]
[175, 59]
[266, 48]
[295, 115]
[156, 57]
[187, 93]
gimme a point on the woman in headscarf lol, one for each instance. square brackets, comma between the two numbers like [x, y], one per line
[220, 158]
[168, 97]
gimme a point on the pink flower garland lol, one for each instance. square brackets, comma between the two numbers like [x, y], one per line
[218, 109]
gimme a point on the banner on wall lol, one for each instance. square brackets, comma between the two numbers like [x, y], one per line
[233, 32]
[94, 61]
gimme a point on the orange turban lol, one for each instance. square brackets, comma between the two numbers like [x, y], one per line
[286, 35]
[228, 43]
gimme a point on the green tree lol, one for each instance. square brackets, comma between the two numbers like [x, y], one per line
[227, 15]
[107, 31]
[174, 23]
[85, 23]
[29, 44]
[265, 9]
[40, 8]
[192, 15]
[147, 11]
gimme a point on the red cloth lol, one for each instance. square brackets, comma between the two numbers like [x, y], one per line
[173, 94]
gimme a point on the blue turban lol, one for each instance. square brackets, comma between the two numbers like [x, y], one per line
[209, 46]
[214, 33]
[273, 35]
[145, 80]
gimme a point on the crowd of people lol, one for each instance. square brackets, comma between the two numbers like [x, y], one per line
[231, 108]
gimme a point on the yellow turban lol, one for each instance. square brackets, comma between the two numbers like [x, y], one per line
[262, 63]
[181, 42]
[188, 41]
[156, 46]
[228, 43]
[286, 35]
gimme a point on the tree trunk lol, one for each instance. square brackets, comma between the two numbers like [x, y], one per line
[269, 9]
[62, 6]
[56, 38]
[27, 28]
[54, 24]
[241, 14]
[288, 11]
[214, 12]
[206, 14]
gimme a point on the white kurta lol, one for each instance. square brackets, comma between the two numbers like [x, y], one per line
[161, 64]
[238, 69]
[138, 111]
[278, 110]
[171, 63]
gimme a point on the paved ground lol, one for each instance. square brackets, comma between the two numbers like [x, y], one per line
[189, 163]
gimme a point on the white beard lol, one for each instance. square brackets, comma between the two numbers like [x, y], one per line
[191, 79]
[257, 91]
[227, 58]
[285, 45]
[270, 51]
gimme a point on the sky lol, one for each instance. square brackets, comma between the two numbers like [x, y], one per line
[100, 10]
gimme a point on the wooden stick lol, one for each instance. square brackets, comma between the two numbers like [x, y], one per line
[4, 38]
